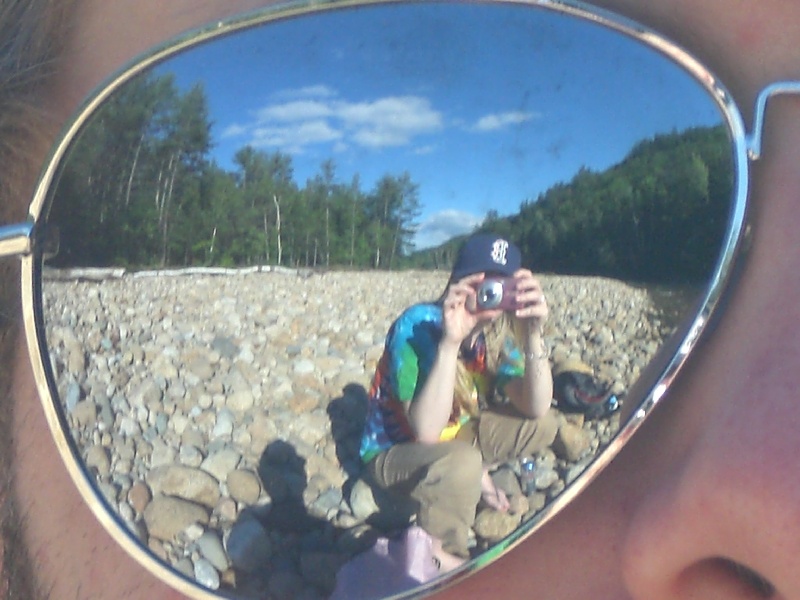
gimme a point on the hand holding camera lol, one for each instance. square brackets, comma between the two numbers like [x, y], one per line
[521, 294]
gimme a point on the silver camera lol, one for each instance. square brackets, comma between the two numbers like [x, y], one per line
[497, 294]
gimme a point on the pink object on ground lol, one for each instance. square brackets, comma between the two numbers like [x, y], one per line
[389, 567]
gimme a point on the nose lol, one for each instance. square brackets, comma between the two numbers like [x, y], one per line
[725, 522]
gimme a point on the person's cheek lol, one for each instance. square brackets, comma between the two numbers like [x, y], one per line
[728, 517]
[72, 554]
[109, 33]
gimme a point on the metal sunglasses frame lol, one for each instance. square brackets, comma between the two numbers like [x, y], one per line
[29, 240]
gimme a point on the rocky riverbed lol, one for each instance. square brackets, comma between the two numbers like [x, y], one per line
[221, 413]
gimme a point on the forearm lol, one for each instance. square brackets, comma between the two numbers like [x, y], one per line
[430, 410]
[532, 393]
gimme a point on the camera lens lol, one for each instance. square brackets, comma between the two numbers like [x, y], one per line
[490, 294]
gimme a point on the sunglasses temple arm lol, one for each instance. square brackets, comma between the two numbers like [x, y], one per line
[774, 89]
[16, 240]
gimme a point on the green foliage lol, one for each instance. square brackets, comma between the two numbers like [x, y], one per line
[658, 216]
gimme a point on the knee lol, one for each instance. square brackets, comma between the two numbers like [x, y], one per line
[549, 424]
[461, 466]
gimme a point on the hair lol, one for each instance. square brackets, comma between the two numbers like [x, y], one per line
[506, 328]
[32, 36]
[498, 333]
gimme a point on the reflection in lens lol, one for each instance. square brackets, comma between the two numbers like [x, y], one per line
[232, 256]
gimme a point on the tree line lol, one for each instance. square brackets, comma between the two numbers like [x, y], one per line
[141, 189]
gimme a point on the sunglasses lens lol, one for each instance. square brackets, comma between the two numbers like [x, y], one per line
[241, 222]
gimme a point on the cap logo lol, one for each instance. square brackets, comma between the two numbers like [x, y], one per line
[500, 252]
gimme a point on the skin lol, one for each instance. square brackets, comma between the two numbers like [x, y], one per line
[711, 475]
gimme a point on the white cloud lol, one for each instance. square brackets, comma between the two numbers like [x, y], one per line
[311, 91]
[294, 137]
[296, 110]
[391, 121]
[496, 121]
[234, 130]
[443, 225]
[315, 115]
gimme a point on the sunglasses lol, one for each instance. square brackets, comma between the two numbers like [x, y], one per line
[228, 226]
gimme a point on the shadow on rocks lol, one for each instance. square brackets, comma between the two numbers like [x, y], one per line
[348, 413]
[283, 475]
[278, 548]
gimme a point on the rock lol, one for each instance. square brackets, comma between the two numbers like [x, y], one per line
[571, 442]
[248, 546]
[84, 414]
[191, 484]
[240, 401]
[362, 501]
[139, 496]
[536, 502]
[166, 517]
[505, 479]
[544, 478]
[493, 526]
[243, 486]
[190, 456]
[223, 428]
[219, 464]
[162, 455]
[304, 366]
[205, 574]
[197, 363]
[212, 550]
[72, 396]
[97, 458]
[519, 504]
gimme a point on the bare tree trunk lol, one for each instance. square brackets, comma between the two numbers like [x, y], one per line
[394, 245]
[213, 239]
[353, 233]
[278, 226]
[159, 192]
[133, 171]
[266, 237]
[327, 233]
[165, 205]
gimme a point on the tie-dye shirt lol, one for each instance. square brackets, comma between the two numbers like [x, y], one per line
[408, 356]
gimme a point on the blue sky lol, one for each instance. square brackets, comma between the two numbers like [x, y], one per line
[484, 106]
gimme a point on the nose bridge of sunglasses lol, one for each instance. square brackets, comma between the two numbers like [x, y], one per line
[779, 88]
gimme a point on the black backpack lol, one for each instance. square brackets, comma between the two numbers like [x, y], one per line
[578, 392]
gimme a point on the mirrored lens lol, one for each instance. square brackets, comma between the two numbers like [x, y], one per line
[241, 224]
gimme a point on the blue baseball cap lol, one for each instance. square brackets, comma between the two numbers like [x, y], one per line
[486, 253]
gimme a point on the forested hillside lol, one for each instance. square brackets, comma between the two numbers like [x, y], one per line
[658, 216]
